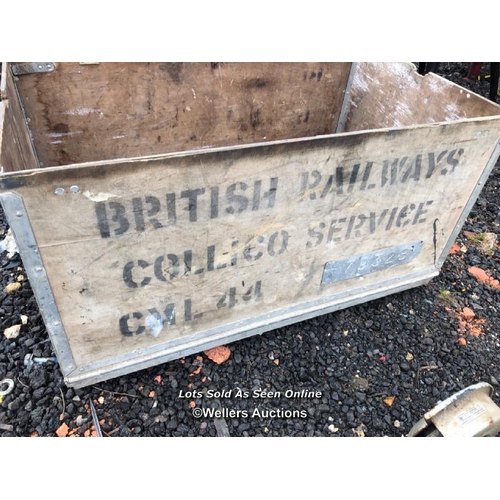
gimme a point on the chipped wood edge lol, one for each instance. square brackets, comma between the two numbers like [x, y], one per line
[447, 82]
[413, 78]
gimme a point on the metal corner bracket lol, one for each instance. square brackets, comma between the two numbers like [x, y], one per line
[34, 67]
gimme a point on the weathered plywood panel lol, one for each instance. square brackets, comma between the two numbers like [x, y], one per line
[2, 118]
[102, 111]
[3, 81]
[394, 95]
[3, 95]
[167, 255]
[16, 149]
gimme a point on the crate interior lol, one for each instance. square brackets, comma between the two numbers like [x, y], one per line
[394, 95]
[84, 112]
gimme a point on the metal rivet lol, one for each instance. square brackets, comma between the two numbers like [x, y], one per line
[56, 323]
[19, 214]
[59, 191]
[40, 66]
[38, 269]
[74, 189]
[28, 120]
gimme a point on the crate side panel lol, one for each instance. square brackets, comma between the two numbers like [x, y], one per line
[3, 81]
[2, 119]
[93, 112]
[394, 95]
[149, 256]
[16, 151]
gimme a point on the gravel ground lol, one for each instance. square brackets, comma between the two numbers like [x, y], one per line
[373, 369]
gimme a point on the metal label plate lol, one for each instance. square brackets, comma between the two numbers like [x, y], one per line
[370, 262]
[470, 414]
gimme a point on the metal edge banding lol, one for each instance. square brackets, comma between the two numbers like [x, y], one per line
[347, 93]
[468, 207]
[94, 374]
[18, 220]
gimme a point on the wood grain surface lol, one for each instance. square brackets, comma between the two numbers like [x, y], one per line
[144, 253]
[91, 112]
[395, 95]
[16, 149]
[151, 254]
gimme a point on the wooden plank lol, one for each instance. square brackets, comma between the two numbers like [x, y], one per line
[150, 256]
[3, 81]
[103, 111]
[16, 149]
[2, 119]
[395, 95]
[3, 97]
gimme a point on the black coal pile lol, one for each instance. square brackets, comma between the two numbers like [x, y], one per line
[370, 370]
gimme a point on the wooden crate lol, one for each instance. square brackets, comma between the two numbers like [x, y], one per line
[162, 209]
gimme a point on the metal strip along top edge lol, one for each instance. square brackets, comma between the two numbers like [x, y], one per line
[18, 220]
[468, 207]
